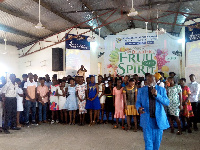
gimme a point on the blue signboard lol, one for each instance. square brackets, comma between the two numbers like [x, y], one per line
[79, 42]
[192, 34]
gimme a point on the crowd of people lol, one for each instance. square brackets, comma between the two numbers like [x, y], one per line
[34, 101]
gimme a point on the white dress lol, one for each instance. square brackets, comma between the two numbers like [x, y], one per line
[103, 98]
[61, 99]
[19, 100]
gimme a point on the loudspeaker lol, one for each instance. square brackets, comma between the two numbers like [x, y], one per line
[57, 59]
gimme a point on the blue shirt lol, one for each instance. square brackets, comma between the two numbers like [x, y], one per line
[123, 84]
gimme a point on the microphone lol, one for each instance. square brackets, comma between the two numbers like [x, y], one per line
[153, 85]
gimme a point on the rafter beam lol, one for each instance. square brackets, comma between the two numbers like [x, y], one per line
[176, 16]
[53, 10]
[101, 20]
[15, 31]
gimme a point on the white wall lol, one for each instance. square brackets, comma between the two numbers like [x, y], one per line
[46, 55]
[9, 61]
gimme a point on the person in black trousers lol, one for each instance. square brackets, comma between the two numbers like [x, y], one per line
[9, 93]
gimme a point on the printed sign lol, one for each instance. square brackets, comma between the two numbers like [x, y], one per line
[80, 42]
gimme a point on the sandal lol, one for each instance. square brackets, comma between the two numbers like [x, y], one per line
[93, 122]
[106, 122]
[115, 127]
[135, 130]
[179, 132]
[90, 124]
[123, 128]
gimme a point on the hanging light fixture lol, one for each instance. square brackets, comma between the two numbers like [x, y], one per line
[132, 12]
[39, 25]
[161, 30]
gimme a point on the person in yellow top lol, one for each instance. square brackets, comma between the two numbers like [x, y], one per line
[82, 71]
[130, 98]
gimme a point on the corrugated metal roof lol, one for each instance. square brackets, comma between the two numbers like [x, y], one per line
[56, 15]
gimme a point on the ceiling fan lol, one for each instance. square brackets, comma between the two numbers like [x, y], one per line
[39, 25]
[132, 12]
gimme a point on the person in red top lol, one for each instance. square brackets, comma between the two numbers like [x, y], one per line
[42, 92]
[187, 112]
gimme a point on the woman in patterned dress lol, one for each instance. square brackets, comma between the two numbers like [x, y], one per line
[81, 90]
[130, 98]
[187, 107]
[174, 93]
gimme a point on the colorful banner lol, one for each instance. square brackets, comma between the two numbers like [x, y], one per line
[80, 42]
[129, 54]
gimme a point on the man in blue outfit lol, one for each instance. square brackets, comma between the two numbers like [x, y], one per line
[153, 119]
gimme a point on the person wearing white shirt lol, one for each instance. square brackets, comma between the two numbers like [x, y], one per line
[3, 82]
[9, 93]
[194, 88]
[30, 92]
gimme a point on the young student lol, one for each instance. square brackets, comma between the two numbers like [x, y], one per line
[174, 93]
[187, 108]
[109, 104]
[62, 100]
[43, 93]
[102, 97]
[71, 102]
[93, 102]
[81, 90]
[88, 80]
[126, 79]
[20, 96]
[194, 88]
[24, 77]
[119, 103]
[30, 91]
[130, 98]
[54, 106]
[9, 93]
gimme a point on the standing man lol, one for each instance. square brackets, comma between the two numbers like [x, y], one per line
[82, 71]
[9, 93]
[153, 119]
[30, 91]
[194, 88]
[3, 82]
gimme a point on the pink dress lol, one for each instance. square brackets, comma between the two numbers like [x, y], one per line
[119, 103]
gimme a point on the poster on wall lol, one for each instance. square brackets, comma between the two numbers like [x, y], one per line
[77, 54]
[79, 42]
[192, 34]
[136, 54]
